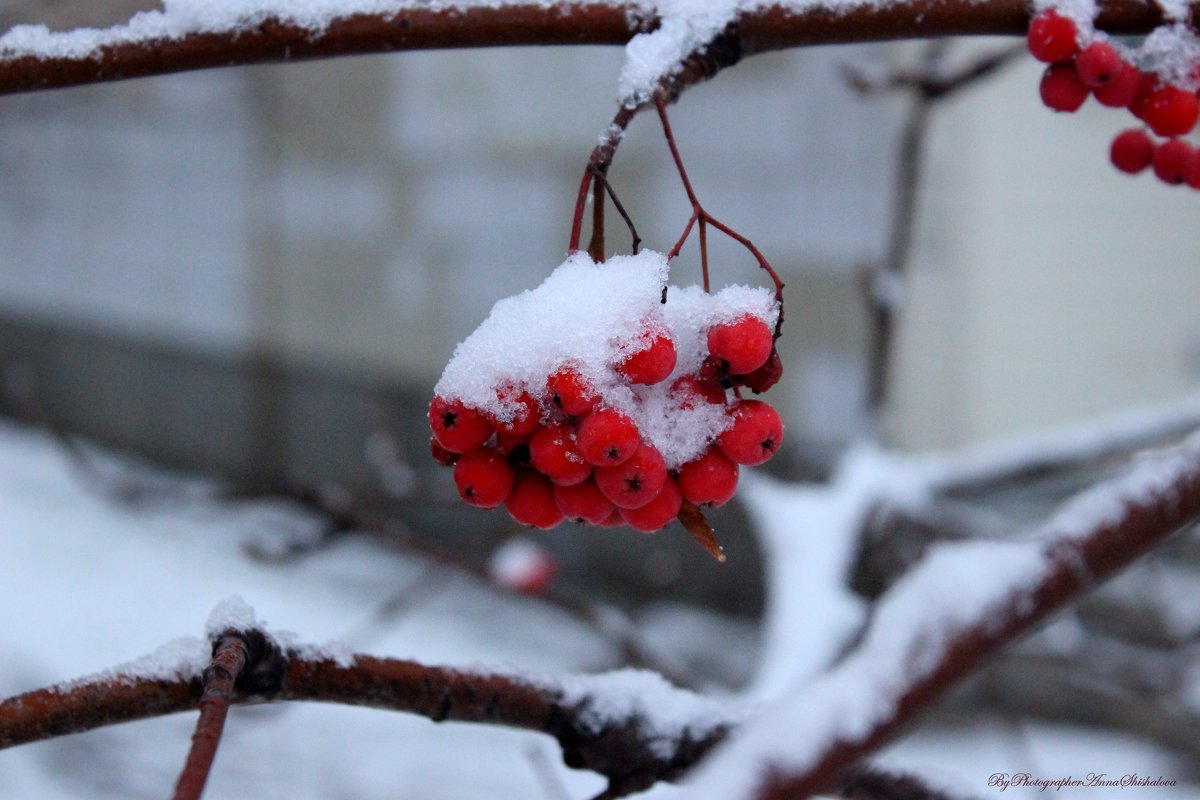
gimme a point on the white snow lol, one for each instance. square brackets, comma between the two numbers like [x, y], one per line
[584, 315]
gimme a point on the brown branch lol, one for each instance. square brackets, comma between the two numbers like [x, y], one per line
[769, 28]
[1095, 535]
[617, 748]
[229, 657]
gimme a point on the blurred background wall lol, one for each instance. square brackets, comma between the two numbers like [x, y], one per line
[258, 272]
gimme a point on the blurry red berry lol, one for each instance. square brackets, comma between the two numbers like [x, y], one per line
[441, 454]
[1132, 151]
[509, 443]
[755, 435]
[636, 481]
[1098, 64]
[652, 362]
[744, 343]
[1194, 180]
[523, 566]
[607, 437]
[584, 502]
[531, 501]
[457, 427]
[710, 480]
[1052, 37]
[1061, 88]
[1174, 161]
[570, 391]
[766, 376]
[615, 520]
[1120, 91]
[1171, 111]
[483, 477]
[553, 452]
[1148, 84]
[658, 513]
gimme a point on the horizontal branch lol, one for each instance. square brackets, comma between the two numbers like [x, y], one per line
[630, 748]
[33, 59]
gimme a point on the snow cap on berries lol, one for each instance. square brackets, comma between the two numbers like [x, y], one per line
[586, 315]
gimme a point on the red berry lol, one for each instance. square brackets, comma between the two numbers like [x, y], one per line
[553, 452]
[1052, 37]
[1174, 161]
[652, 362]
[571, 392]
[1120, 91]
[756, 434]
[531, 501]
[607, 437]
[440, 454]
[1061, 88]
[615, 520]
[745, 343]
[483, 477]
[1147, 85]
[523, 566]
[456, 427]
[656, 514]
[1194, 181]
[525, 419]
[1171, 111]
[584, 502]
[1132, 151]
[509, 443]
[710, 480]
[688, 390]
[765, 376]
[636, 481]
[1098, 64]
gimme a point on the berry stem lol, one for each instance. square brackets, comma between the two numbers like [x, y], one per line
[705, 219]
[597, 166]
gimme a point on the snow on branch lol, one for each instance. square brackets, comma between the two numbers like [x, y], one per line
[191, 34]
[939, 622]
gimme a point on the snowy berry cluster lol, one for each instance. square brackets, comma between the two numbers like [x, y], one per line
[604, 396]
[1081, 63]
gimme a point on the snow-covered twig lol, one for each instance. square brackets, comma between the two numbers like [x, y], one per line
[188, 36]
[963, 603]
[631, 727]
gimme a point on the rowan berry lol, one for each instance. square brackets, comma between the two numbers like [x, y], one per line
[1171, 111]
[1062, 89]
[1098, 64]
[457, 427]
[652, 362]
[1174, 161]
[1120, 91]
[658, 513]
[553, 452]
[710, 480]
[615, 520]
[688, 390]
[483, 477]
[523, 566]
[531, 501]
[527, 416]
[607, 437]
[636, 481]
[1052, 37]
[584, 502]
[442, 455]
[755, 435]
[1132, 151]
[744, 343]
[571, 392]
[766, 376]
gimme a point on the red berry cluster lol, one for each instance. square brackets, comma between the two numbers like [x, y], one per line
[566, 453]
[1077, 70]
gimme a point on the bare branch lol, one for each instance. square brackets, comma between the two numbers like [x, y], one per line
[126, 54]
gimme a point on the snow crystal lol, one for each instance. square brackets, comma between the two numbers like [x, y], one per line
[183, 658]
[663, 714]
[585, 315]
[232, 613]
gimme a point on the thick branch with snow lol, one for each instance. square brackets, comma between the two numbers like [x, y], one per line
[185, 37]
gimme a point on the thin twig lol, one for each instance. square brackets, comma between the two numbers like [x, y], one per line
[229, 658]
